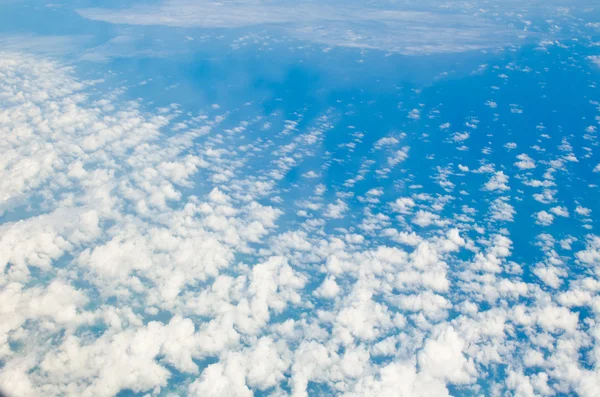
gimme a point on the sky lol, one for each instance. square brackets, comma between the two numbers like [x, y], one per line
[276, 198]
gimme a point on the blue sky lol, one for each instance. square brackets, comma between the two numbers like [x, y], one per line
[270, 198]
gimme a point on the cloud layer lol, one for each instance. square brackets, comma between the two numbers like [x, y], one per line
[157, 250]
[388, 29]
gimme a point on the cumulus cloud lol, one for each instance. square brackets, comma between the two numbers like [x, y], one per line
[525, 162]
[544, 218]
[135, 261]
[153, 249]
[501, 210]
[336, 210]
[498, 182]
[443, 358]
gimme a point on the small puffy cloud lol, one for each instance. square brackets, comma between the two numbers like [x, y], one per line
[403, 205]
[384, 142]
[400, 379]
[432, 305]
[583, 211]
[501, 210]
[544, 218]
[460, 136]
[425, 218]
[398, 157]
[375, 192]
[560, 211]
[591, 254]
[525, 162]
[328, 289]
[443, 358]
[310, 175]
[217, 196]
[414, 114]
[336, 210]
[498, 182]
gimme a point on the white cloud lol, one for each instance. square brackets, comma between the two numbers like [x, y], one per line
[595, 59]
[399, 379]
[127, 276]
[560, 211]
[353, 26]
[501, 210]
[432, 305]
[591, 255]
[426, 218]
[398, 157]
[499, 182]
[525, 162]
[387, 141]
[310, 175]
[544, 218]
[336, 210]
[403, 205]
[414, 114]
[460, 136]
[443, 358]
[261, 367]
[328, 289]
[583, 211]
